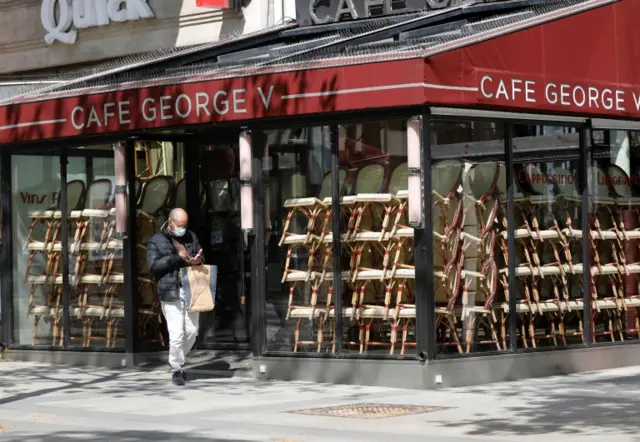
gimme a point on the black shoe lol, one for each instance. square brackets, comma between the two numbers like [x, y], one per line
[177, 378]
[184, 375]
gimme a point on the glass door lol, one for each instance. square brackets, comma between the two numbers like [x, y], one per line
[160, 186]
[224, 244]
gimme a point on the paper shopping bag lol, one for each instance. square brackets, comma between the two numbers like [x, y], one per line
[199, 285]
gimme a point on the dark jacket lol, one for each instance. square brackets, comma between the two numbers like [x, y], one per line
[164, 262]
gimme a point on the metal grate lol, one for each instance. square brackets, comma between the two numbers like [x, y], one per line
[369, 411]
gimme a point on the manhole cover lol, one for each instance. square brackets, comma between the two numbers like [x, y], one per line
[6, 427]
[368, 411]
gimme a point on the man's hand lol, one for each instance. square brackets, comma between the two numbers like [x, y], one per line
[196, 260]
[184, 255]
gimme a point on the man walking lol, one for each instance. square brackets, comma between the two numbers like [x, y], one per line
[172, 248]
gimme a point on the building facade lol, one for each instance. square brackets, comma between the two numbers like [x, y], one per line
[409, 199]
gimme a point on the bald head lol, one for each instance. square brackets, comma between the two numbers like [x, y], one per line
[179, 216]
[178, 222]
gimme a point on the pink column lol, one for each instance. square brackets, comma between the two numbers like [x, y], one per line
[121, 183]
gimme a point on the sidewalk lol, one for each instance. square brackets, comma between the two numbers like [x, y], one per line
[50, 403]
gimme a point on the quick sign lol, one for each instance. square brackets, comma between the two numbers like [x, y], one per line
[328, 11]
[59, 17]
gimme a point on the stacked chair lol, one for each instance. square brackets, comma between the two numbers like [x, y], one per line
[447, 217]
[377, 244]
[470, 237]
[49, 247]
[97, 272]
[315, 239]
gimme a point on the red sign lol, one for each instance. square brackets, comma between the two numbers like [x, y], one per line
[236, 99]
[224, 4]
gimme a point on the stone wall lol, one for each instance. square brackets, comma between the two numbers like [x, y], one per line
[176, 23]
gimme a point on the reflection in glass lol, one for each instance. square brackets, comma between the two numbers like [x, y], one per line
[37, 262]
[548, 234]
[159, 171]
[378, 271]
[469, 237]
[299, 307]
[224, 244]
[613, 186]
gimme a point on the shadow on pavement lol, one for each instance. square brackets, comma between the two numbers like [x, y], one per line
[128, 436]
[570, 405]
[23, 382]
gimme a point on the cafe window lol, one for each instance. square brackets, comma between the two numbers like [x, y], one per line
[470, 231]
[614, 203]
[548, 235]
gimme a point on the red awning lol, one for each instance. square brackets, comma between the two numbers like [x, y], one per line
[347, 88]
[581, 59]
[586, 64]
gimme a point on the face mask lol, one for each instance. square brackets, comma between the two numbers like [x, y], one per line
[178, 231]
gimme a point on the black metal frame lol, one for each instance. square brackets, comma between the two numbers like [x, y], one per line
[66, 288]
[425, 295]
[257, 246]
[336, 228]
[6, 282]
[511, 241]
[586, 266]
[130, 251]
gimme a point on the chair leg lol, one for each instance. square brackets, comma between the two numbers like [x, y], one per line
[362, 336]
[494, 334]
[532, 331]
[296, 336]
[471, 326]
[30, 232]
[552, 324]
[114, 333]
[405, 333]
[367, 335]
[619, 325]
[503, 328]
[36, 321]
[109, 327]
[610, 321]
[454, 332]
[561, 328]
[394, 336]
[320, 325]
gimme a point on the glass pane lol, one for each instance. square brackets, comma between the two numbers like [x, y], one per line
[224, 244]
[613, 183]
[96, 272]
[378, 269]
[299, 309]
[160, 187]
[36, 215]
[548, 232]
[468, 210]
